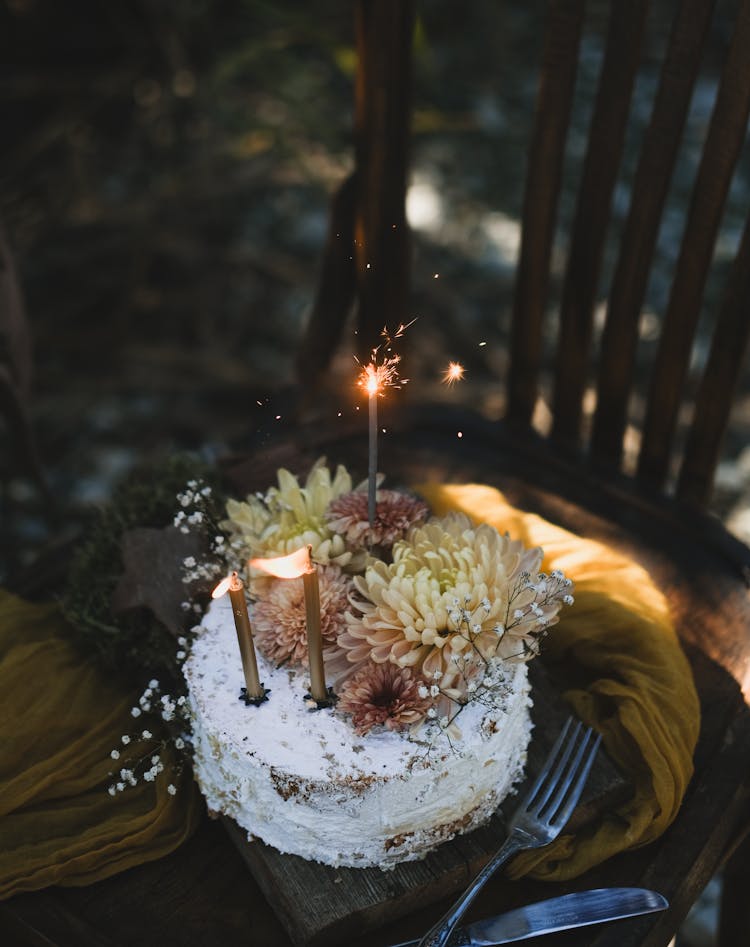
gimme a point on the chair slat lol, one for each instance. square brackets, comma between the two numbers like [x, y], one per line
[606, 137]
[714, 399]
[559, 66]
[335, 293]
[723, 144]
[384, 32]
[650, 187]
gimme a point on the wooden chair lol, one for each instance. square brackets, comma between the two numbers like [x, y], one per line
[574, 475]
[203, 893]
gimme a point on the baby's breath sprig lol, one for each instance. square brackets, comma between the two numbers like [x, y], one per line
[198, 512]
[197, 508]
[143, 751]
[466, 626]
[531, 597]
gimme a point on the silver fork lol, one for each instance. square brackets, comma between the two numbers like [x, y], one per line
[538, 819]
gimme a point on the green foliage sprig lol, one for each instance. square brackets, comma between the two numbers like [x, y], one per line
[131, 642]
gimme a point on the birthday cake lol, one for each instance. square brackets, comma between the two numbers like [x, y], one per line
[398, 721]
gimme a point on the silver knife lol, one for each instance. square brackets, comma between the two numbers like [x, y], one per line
[556, 914]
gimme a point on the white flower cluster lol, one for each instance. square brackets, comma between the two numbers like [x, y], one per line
[149, 764]
[195, 515]
[194, 506]
[207, 571]
[539, 601]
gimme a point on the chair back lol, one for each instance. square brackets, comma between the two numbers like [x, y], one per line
[626, 292]
[592, 357]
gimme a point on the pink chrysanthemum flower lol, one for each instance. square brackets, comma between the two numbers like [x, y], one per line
[383, 695]
[279, 619]
[394, 513]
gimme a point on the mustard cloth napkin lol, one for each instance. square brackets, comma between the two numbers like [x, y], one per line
[60, 718]
[633, 682]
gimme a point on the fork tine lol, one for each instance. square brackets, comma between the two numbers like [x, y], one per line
[551, 757]
[553, 770]
[569, 794]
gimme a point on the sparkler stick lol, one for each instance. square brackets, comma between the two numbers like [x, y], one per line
[372, 453]
[374, 378]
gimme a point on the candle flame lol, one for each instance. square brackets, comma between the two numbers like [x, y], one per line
[286, 567]
[230, 583]
[453, 373]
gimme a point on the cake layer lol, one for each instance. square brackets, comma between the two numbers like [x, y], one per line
[304, 782]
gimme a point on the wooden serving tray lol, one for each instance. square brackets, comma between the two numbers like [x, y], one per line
[317, 904]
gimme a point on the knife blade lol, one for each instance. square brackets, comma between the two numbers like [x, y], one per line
[556, 914]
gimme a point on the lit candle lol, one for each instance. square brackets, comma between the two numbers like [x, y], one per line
[299, 564]
[318, 688]
[254, 690]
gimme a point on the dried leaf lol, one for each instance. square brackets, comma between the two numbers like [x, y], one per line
[153, 574]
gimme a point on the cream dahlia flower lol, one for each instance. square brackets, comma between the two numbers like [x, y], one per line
[290, 516]
[280, 621]
[453, 597]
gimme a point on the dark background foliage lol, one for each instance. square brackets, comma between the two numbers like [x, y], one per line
[164, 185]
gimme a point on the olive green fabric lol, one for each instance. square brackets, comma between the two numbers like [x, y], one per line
[60, 718]
[632, 680]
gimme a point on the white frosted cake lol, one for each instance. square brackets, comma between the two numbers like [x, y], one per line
[412, 635]
[305, 782]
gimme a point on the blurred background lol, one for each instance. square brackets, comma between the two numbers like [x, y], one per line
[164, 187]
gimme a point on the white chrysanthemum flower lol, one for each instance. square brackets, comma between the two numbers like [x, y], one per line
[291, 516]
[407, 612]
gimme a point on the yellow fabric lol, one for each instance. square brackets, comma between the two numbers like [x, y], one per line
[631, 679]
[60, 718]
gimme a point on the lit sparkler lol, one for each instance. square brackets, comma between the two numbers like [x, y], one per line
[381, 372]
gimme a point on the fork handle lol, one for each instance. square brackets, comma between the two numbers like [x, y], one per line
[439, 935]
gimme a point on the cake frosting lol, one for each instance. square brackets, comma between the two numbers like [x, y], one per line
[305, 782]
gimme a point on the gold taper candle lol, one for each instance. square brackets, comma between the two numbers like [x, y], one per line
[255, 690]
[318, 689]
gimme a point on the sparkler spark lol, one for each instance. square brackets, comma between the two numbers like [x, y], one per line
[375, 377]
[381, 371]
[453, 373]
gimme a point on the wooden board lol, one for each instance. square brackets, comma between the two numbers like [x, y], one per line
[318, 904]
